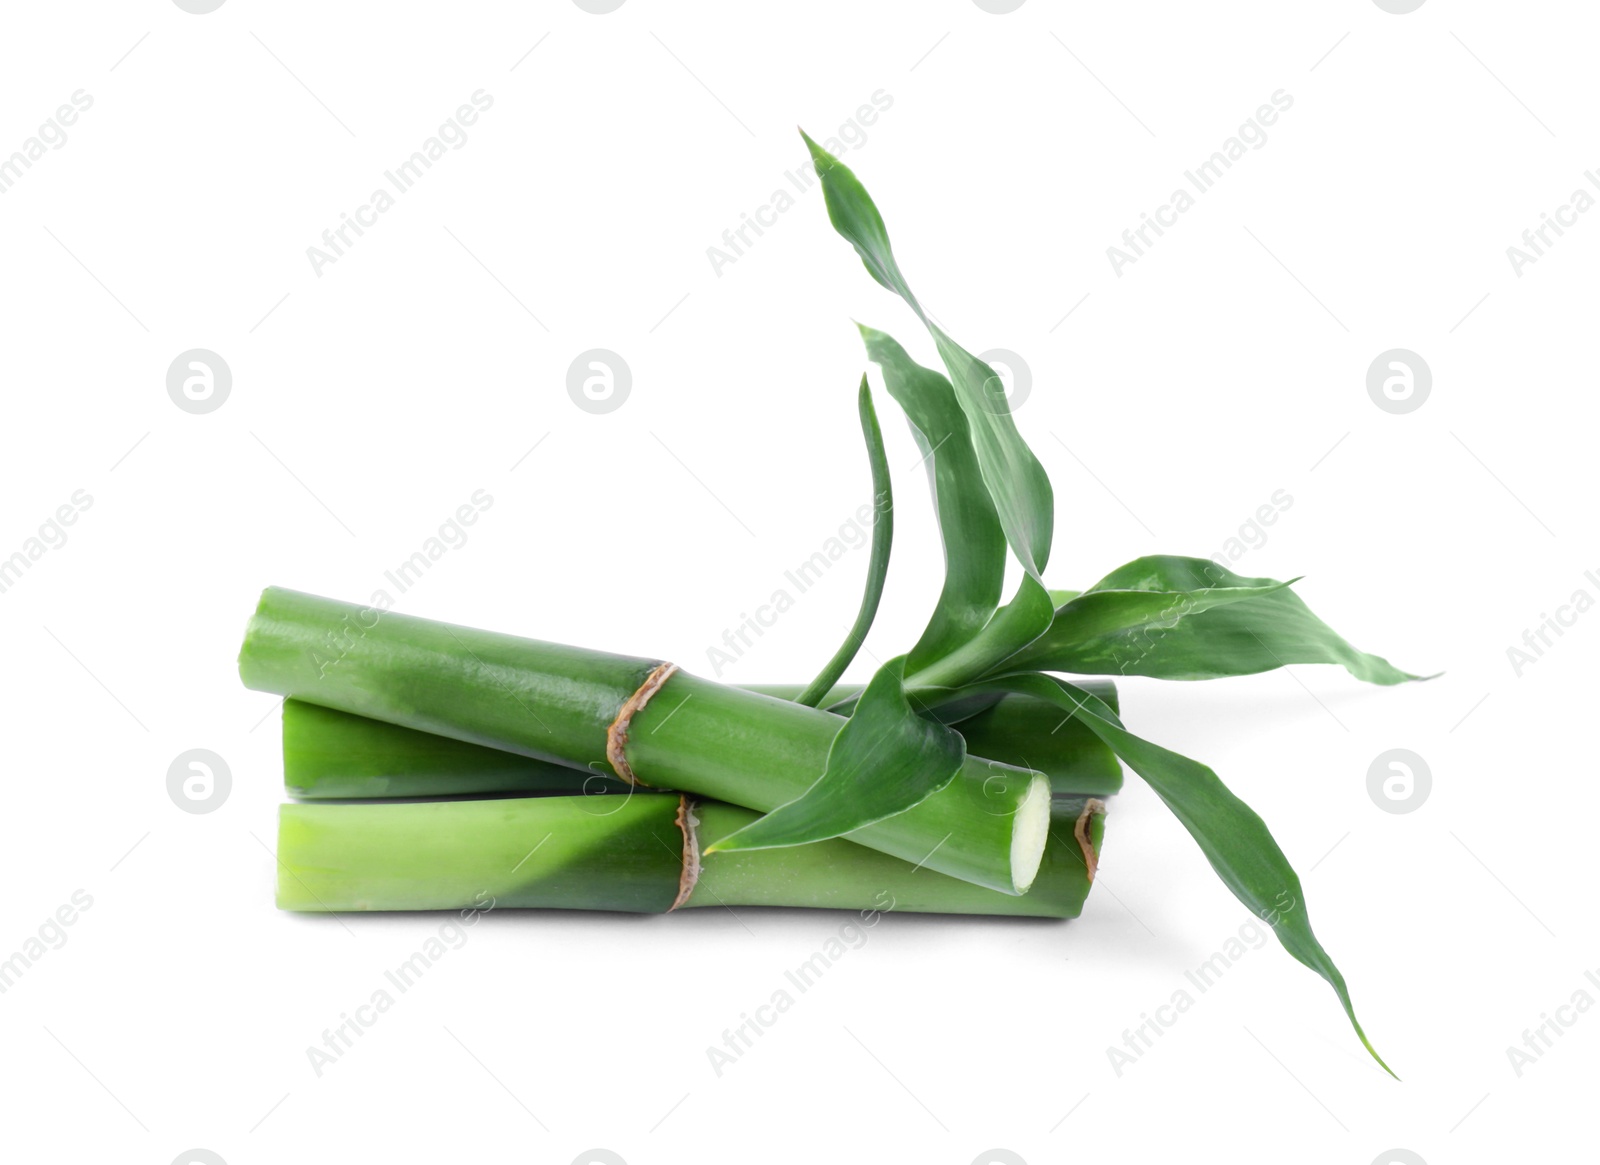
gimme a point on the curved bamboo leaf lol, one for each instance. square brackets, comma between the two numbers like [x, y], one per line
[877, 565]
[966, 636]
[974, 543]
[1016, 481]
[885, 759]
[1179, 618]
[1019, 731]
[1020, 622]
[1233, 837]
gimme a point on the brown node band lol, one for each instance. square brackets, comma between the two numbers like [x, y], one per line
[617, 733]
[1091, 860]
[689, 823]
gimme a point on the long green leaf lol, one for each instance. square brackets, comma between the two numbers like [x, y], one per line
[885, 759]
[1178, 618]
[966, 636]
[1016, 481]
[877, 565]
[974, 543]
[1233, 837]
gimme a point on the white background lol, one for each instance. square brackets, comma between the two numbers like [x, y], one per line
[370, 401]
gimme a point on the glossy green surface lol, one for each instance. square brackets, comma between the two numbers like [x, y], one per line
[1179, 618]
[885, 760]
[561, 852]
[566, 853]
[1017, 482]
[555, 703]
[329, 754]
[974, 544]
[711, 740]
[332, 754]
[841, 875]
[1020, 730]
[539, 699]
[1026, 731]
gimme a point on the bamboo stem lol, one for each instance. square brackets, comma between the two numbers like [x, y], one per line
[336, 755]
[330, 754]
[625, 853]
[557, 703]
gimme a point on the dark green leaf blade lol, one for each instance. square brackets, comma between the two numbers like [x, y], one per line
[1178, 618]
[855, 216]
[1019, 623]
[885, 759]
[974, 543]
[877, 565]
[1233, 837]
[1016, 481]
[1019, 731]
[966, 636]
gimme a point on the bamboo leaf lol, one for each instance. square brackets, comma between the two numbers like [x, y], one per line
[1016, 481]
[1020, 622]
[1014, 730]
[1233, 837]
[885, 759]
[877, 565]
[966, 636]
[1178, 618]
[974, 543]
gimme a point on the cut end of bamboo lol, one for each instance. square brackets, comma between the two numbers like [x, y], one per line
[1030, 830]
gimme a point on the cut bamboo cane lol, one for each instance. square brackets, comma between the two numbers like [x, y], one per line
[662, 727]
[336, 755]
[329, 754]
[634, 852]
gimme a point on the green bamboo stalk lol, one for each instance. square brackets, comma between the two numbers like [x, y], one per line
[838, 874]
[336, 755]
[331, 754]
[1032, 734]
[565, 704]
[626, 853]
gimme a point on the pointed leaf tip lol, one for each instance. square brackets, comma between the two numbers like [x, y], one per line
[1232, 836]
[1015, 479]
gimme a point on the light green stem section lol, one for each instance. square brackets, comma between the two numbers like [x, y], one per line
[336, 755]
[622, 853]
